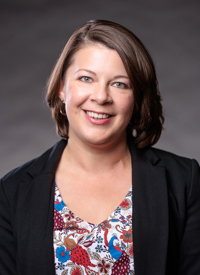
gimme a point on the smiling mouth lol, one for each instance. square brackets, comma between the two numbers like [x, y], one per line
[97, 116]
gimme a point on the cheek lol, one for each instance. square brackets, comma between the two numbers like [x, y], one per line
[127, 105]
[74, 97]
[70, 94]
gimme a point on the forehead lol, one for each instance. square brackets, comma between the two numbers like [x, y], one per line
[98, 57]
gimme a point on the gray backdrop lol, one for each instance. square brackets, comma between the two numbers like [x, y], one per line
[32, 35]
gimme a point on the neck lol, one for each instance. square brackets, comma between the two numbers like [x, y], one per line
[96, 159]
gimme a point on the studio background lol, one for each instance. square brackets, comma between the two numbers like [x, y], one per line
[33, 34]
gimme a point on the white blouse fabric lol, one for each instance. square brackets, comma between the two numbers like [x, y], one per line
[85, 248]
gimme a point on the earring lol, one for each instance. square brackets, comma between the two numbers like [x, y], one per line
[63, 103]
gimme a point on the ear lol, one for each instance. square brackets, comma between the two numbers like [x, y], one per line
[61, 91]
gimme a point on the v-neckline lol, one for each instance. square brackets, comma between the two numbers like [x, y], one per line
[89, 223]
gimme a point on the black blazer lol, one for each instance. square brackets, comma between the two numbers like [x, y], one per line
[166, 214]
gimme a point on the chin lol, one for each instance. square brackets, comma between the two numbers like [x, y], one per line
[103, 142]
[97, 142]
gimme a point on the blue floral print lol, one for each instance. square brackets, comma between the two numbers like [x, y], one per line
[62, 254]
[61, 266]
[59, 206]
[99, 248]
[118, 210]
[99, 239]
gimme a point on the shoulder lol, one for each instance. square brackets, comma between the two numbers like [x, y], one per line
[173, 161]
[19, 171]
[183, 174]
[176, 164]
[179, 165]
[161, 158]
[42, 164]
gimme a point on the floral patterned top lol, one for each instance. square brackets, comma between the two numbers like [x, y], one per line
[85, 248]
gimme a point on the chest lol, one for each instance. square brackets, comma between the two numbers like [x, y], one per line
[87, 196]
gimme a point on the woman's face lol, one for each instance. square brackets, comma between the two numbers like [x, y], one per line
[98, 96]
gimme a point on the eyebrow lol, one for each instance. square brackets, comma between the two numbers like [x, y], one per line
[117, 76]
[121, 76]
[85, 71]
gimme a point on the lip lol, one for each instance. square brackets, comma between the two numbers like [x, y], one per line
[94, 121]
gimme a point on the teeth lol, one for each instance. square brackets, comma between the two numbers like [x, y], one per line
[96, 116]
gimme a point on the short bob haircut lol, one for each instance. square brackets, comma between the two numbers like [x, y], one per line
[147, 118]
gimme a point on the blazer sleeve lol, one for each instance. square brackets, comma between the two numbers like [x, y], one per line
[7, 243]
[189, 262]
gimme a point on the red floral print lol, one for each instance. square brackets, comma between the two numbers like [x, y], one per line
[126, 204]
[127, 236]
[69, 216]
[71, 225]
[103, 266]
[76, 271]
[104, 225]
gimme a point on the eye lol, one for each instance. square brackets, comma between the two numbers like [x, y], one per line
[120, 85]
[86, 79]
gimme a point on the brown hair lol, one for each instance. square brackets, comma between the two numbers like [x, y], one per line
[147, 118]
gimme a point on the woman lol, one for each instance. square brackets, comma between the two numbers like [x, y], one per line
[102, 201]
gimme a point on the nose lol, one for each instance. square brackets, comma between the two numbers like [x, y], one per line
[101, 94]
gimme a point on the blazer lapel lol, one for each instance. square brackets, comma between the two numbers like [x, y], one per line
[36, 235]
[36, 207]
[150, 213]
